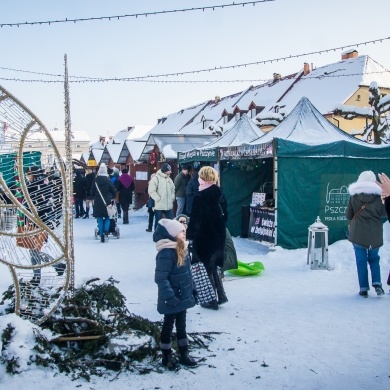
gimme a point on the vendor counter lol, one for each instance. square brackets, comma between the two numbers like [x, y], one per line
[261, 223]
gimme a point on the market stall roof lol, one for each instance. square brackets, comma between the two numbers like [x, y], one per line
[243, 132]
[135, 148]
[305, 124]
[171, 144]
[112, 150]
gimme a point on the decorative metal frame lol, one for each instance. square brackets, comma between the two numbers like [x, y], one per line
[20, 125]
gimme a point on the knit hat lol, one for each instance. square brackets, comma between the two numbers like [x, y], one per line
[367, 176]
[102, 170]
[166, 168]
[173, 227]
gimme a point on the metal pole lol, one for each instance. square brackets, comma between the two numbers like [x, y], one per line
[68, 216]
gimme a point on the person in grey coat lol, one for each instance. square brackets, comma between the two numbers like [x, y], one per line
[365, 211]
[181, 181]
[175, 289]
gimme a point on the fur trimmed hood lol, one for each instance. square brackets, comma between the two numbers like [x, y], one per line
[364, 187]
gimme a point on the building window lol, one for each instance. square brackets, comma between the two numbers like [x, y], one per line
[78, 146]
[49, 145]
[237, 116]
[253, 112]
[358, 98]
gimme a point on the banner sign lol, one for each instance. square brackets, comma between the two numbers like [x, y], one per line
[198, 155]
[262, 224]
[246, 151]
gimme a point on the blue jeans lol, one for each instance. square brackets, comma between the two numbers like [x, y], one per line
[103, 224]
[364, 255]
[180, 205]
[158, 215]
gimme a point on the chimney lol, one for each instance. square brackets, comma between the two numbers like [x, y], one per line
[353, 53]
[306, 69]
[217, 99]
[277, 76]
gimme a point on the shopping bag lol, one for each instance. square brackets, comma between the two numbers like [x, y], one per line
[111, 210]
[35, 238]
[203, 286]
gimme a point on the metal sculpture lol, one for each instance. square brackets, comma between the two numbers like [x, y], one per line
[36, 232]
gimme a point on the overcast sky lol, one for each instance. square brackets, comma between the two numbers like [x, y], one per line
[168, 43]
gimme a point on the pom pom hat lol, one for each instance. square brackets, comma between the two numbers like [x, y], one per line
[173, 227]
[367, 176]
[102, 170]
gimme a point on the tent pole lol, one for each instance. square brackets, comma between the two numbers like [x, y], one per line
[275, 164]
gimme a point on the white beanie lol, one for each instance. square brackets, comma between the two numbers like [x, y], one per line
[102, 170]
[173, 227]
[367, 176]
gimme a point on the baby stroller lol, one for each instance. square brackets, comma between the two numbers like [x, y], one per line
[113, 229]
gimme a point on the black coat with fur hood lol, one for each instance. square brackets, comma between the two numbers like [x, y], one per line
[207, 226]
[366, 229]
[175, 287]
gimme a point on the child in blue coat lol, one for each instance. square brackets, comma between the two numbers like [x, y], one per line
[175, 289]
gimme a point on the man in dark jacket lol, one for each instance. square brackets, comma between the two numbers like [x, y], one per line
[192, 189]
[181, 181]
[79, 193]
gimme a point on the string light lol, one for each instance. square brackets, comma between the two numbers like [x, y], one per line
[139, 78]
[146, 14]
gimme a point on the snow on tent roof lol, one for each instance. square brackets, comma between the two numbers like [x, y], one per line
[306, 125]
[242, 132]
[132, 132]
[114, 150]
[171, 144]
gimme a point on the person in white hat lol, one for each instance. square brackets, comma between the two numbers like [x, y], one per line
[365, 211]
[175, 289]
[107, 190]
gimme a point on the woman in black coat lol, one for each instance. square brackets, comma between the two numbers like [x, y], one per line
[207, 227]
[191, 190]
[89, 179]
[108, 193]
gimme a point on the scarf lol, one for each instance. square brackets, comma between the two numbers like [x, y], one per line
[126, 180]
[204, 184]
[166, 243]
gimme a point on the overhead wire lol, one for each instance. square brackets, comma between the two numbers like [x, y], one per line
[136, 15]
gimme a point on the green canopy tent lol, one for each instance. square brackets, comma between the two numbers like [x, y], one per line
[313, 181]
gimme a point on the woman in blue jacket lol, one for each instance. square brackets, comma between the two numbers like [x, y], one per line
[175, 289]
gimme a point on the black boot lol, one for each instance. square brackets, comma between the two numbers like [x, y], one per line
[126, 217]
[102, 238]
[86, 215]
[169, 361]
[185, 359]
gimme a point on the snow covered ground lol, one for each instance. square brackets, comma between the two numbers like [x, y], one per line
[289, 328]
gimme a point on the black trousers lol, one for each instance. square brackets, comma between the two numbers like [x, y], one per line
[169, 320]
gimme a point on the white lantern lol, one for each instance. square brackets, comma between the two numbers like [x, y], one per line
[317, 250]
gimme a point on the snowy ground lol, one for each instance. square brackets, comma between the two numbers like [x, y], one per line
[290, 328]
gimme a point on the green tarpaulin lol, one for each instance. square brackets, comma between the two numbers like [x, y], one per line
[238, 180]
[313, 181]
[7, 164]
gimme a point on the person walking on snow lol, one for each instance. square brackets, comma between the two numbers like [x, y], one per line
[175, 289]
[365, 211]
[125, 187]
[100, 207]
[162, 190]
[181, 181]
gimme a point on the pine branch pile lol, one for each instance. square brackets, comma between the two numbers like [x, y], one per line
[92, 333]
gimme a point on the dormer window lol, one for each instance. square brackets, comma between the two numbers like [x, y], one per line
[276, 109]
[237, 116]
[205, 122]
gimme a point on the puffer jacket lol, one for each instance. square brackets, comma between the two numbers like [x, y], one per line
[175, 287]
[162, 190]
[366, 229]
[108, 192]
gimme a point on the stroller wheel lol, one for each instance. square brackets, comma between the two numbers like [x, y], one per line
[96, 234]
[117, 232]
